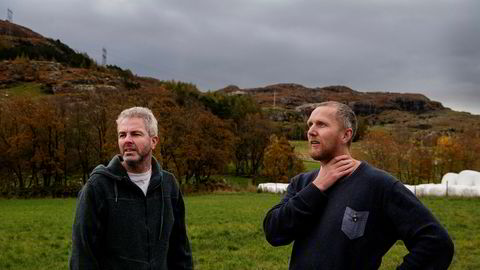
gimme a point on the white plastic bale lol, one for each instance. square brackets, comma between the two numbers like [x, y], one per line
[437, 190]
[469, 178]
[463, 191]
[451, 178]
[455, 190]
[272, 187]
[419, 190]
[476, 191]
[427, 189]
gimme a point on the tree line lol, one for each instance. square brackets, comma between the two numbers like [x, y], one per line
[416, 159]
[50, 144]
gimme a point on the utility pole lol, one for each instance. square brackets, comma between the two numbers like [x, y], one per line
[274, 98]
[9, 15]
[104, 56]
[10, 20]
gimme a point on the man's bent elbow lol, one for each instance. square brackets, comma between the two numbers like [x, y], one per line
[446, 249]
[276, 239]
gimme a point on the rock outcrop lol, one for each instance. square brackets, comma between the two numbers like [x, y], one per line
[304, 99]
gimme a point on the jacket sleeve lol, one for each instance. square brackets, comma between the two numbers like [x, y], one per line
[428, 243]
[179, 251]
[87, 231]
[294, 213]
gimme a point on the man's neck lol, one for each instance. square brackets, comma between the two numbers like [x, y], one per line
[138, 168]
[357, 163]
[339, 152]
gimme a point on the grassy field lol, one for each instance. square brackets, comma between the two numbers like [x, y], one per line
[23, 90]
[225, 231]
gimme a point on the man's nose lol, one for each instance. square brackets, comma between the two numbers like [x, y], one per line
[311, 131]
[128, 138]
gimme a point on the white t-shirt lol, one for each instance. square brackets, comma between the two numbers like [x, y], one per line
[141, 179]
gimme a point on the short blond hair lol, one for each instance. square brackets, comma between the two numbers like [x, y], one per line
[345, 115]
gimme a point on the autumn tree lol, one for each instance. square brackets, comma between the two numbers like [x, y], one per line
[280, 161]
[252, 138]
[251, 127]
[378, 148]
[196, 143]
[14, 143]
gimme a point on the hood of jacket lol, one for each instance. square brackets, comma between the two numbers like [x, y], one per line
[116, 172]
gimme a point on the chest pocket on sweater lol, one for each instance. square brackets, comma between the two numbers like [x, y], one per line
[354, 222]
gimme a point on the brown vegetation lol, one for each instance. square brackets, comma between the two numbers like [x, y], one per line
[51, 144]
[416, 161]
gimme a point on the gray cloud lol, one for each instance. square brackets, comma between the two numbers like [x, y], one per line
[431, 46]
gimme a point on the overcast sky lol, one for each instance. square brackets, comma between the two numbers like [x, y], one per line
[429, 46]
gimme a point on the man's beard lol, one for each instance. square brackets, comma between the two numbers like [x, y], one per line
[323, 155]
[133, 163]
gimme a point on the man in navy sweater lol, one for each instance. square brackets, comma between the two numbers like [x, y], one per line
[348, 214]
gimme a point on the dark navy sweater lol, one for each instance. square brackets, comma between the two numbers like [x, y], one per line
[355, 222]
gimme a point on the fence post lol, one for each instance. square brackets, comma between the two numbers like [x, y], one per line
[446, 191]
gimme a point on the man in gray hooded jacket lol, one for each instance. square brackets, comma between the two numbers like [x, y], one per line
[131, 214]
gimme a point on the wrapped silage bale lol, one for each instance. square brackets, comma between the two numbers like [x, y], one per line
[282, 188]
[272, 187]
[436, 190]
[262, 187]
[419, 190]
[426, 189]
[476, 191]
[455, 190]
[469, 178]
[463, 191]
[450, 178]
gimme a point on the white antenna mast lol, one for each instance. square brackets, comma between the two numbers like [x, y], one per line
[274, 98]
[104, 56]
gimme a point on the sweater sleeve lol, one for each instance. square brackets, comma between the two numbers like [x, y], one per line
[87, 231]
[179, 252]
[428, 243]
[293, 214]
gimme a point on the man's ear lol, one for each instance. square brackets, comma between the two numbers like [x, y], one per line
[154, 141]
[347, 135]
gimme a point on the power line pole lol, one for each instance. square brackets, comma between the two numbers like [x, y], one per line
[9, 15]
[104, 56]
[274, 98]
[10, 20]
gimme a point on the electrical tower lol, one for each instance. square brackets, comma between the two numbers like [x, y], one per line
[9, 15]
[10, 20]
[104, 56]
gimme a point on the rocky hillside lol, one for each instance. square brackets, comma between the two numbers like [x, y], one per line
[303, 99]
[26, 56]
[57, 78]
[293, 103]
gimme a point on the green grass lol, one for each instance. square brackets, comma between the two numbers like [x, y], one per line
[238, 182]
[302, 149]
[225, 232]
[35, 234]
[28, 89]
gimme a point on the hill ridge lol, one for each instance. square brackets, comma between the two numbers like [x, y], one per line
[299, 97]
